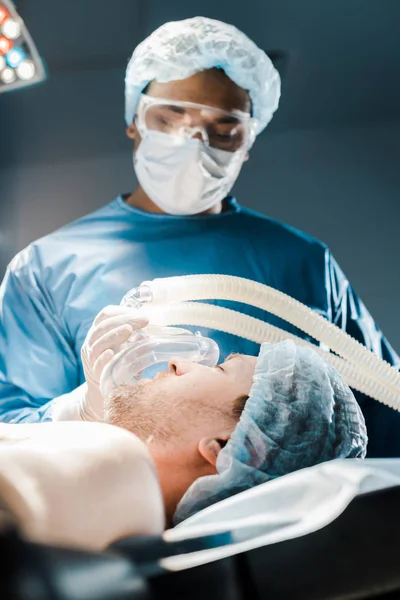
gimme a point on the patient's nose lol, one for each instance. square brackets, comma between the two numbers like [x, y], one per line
[181, 367]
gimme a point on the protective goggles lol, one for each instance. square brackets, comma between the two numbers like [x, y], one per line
[224, 130]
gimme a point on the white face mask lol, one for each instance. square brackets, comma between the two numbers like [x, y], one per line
[184, 177]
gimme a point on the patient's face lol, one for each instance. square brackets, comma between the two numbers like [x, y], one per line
[185, 416]
[188, 401]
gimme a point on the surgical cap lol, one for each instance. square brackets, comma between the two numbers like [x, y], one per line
[299, 413]
[180, 49]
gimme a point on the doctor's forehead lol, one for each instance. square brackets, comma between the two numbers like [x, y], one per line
[211, 87]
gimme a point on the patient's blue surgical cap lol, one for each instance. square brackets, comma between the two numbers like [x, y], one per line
[180, 49]
[299, 413]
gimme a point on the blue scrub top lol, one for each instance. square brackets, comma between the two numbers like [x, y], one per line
[55, 287]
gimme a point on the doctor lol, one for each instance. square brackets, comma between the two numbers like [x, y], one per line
[198, 92]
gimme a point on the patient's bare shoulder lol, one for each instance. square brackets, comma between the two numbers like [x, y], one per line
[79, 484]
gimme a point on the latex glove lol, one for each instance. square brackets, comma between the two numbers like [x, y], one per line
[82, 485]
[111, 329]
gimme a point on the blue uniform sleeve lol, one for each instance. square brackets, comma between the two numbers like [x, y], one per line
[349, 313]
[37, 361]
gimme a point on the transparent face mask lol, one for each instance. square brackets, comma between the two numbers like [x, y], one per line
[230, 131]
[150, 351]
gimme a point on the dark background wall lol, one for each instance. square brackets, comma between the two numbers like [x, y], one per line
[328, 163]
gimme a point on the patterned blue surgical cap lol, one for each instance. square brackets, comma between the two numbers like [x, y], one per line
[300, 413]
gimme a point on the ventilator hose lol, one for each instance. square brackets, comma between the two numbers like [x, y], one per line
[230, 321]
[171, 290]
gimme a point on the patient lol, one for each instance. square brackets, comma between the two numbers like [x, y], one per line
[213, 432]
[195, 435]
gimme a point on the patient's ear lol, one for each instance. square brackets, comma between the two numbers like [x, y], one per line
[209, 448]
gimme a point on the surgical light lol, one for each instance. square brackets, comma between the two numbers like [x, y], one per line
[11, 29]
[15, 57]
[8, 75]
[20, 62]
[5, 45]
[26, 70]
[3, 14]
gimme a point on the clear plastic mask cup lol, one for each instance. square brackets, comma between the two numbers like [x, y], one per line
[153, 348]
[223, 130]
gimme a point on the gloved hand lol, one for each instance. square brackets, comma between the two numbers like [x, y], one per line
[111, 329]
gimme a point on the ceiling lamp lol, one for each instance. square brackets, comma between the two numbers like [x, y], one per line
[20, 63]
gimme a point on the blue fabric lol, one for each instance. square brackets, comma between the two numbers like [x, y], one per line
[300, 413]
[54, 288]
